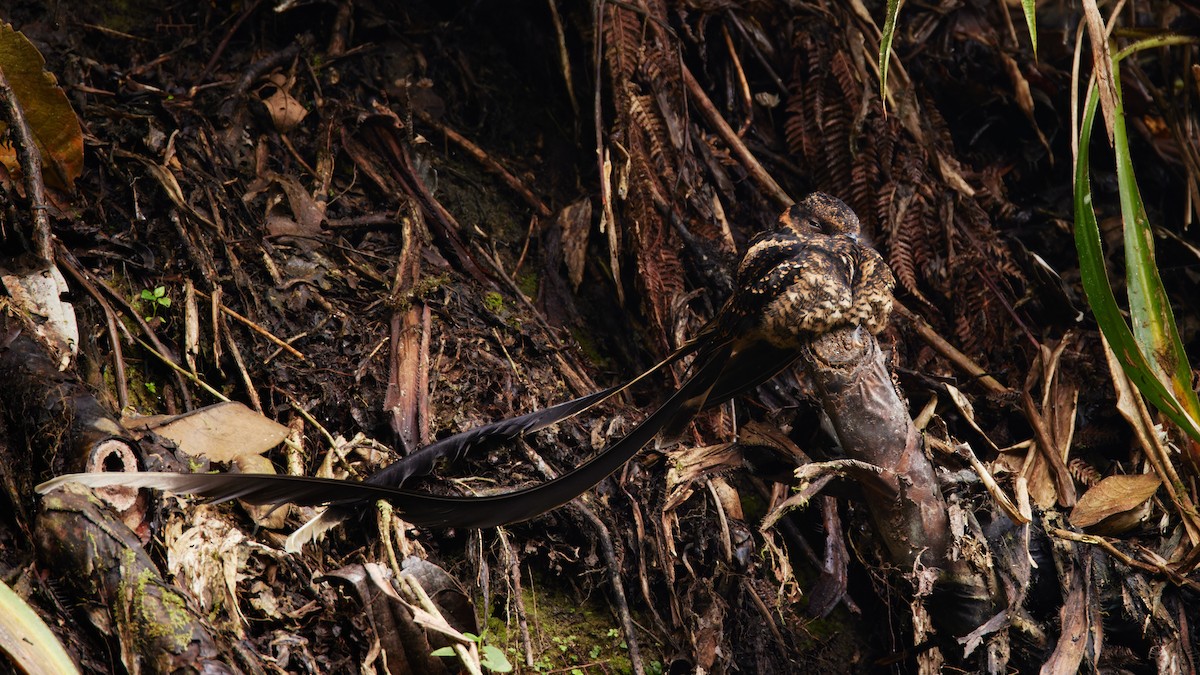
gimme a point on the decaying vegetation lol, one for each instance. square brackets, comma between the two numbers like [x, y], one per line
[380, 225]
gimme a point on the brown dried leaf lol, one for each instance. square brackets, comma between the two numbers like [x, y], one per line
[285, 111]
[302, 215]
[1024, 98]
[224, 432]
[1114, 496]
[575, 221]
[690, 464]
[269, 516]
[50, 117]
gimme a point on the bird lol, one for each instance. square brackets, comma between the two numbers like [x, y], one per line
[809, 274]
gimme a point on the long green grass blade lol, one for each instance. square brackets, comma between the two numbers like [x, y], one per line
[28, 642]
[1029, 7]
[1149, 309]
[885, 45]
[1094, 276]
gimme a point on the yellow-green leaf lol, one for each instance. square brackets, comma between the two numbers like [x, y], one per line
[1030, 10]
[28, 642]
[885, 44]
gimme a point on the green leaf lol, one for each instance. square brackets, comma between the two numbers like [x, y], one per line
[26, 639]
[147, 294]
[493, 659]
[1103, 303]
[885, 44]
[442, 651]
[1030, 10]
[1149, 309]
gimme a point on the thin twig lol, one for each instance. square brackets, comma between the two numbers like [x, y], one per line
[514, 575]
[416, 595]
[727, 134]
[236, 353]
[258, 329]
[212, 61]
[743, 85]
[1063, 481]
[256, 70]
[183, 371]
[161, 350]
[1122, 556]
[949, 351]
[768, 617]
[487, 161]
[533, 221]
[564, 60]
[614, 579]
[31, 165]
[68, 262]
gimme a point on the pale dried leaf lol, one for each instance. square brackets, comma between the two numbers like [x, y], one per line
[689, 464]
[1101, 64]
[285, 111]
[224, 432]
[1024, 98]
[39, 293]
[968, 412]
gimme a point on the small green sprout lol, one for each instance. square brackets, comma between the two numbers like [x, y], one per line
[157, 298]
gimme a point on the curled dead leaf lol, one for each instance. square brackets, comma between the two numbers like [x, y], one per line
[286, 112]
[1115, 504]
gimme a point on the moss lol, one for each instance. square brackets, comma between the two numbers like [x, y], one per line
[172, 624]
[566, 634]
[591, 351]
[528, 281]
[494, 302]
[424, 288]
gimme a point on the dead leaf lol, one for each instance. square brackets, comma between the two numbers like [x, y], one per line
[302, 216]
[225, 432]
[51, 119]
[1115, 504]
[285, 111]
[690, 464]
[269, 516]
[1024, 98]
[575, 222]
[39, 293]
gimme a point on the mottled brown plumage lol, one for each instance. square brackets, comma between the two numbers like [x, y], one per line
[806, 277]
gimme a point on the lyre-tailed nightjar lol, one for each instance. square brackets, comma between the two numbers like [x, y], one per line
[806, 277]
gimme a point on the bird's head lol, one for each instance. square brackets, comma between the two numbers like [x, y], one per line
[819, 212]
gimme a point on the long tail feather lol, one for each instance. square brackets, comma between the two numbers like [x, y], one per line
[454, 448]
[420, 508]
